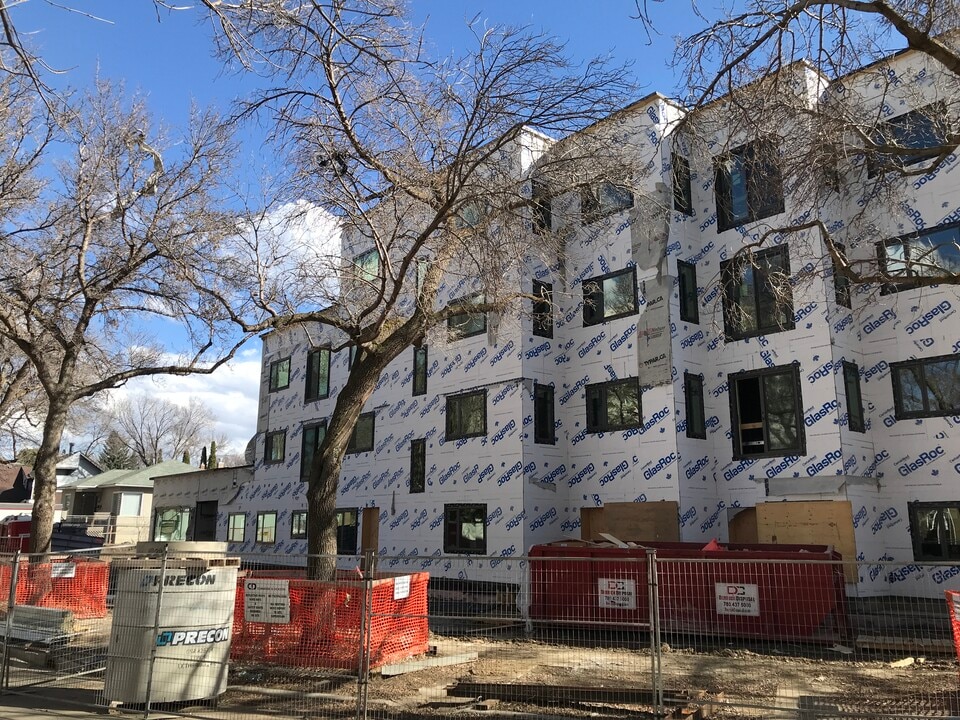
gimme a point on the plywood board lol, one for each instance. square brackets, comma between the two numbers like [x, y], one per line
[630, 521]
[742, 527]
[810, 522]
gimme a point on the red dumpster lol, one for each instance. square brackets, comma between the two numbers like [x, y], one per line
[15, 533]
[756, 591]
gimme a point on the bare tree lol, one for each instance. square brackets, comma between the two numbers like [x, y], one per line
[153, 428]
[106, 234]
[821, 81]
[422, 162]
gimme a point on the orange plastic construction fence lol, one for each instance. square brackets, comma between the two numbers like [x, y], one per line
[324, 628]
[953, 607]
[75, 584]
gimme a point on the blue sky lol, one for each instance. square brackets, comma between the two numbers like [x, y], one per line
[168, 57]
[168, 54]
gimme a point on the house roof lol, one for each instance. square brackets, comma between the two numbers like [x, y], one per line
[9, 473]
[141, 477]
[75, 461]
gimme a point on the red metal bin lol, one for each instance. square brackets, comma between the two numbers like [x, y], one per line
[754, 591]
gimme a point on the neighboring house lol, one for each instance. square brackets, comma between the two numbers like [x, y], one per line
[16, 489]
[76, 466]
[186, 505]
[118, 503]
[71, 467]
[663, 395]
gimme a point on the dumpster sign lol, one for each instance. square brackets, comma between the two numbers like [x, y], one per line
[617, 593]
[266, 601]
[737, 599]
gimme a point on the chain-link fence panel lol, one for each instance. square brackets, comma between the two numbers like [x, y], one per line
[639, 632]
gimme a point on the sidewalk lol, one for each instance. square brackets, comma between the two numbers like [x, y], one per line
[53, 703]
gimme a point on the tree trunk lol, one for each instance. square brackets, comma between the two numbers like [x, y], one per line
[325, 470]
[45, 479]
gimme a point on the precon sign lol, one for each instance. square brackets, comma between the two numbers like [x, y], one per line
[737, 599]
[617, 593]
[266, 601]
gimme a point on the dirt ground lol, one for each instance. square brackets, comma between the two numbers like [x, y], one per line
[738, 682]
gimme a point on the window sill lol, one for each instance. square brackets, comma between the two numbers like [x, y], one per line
[452, 438]
[774, 454]
[601, 321]
[729, 338]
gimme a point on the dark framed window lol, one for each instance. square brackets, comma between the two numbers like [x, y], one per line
[687, 282]
[312, 438]
[318, 374]
[693, 400]
[682, 195]
[353, 353]
[543, 309]
[766, 413]
[275, 446]
[266, 528]
[610, 296]
[361, 439]
[467, 324]
[465, 529]
[543, 415]
[926, 388]
[347, 531]
[605, 198]
[418, 465]
[367, 265]
[757, 298]
[279, 374]
[423, 265]
[851, 387]
[841, 283]
[472, 214]
[420, 370]
[298, 525]
[542, 210]
[466, 415]
[931, 253]
[925, 130]
[748, 184]
[613, 405]
[935, 530]
[236, 527]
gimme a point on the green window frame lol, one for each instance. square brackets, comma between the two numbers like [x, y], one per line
[318, 374]
[466, 415]
[362, 438]
[236, 527]
[418, 465]
[614, 405]
[611, 296]
[298, 525]
[279, 374]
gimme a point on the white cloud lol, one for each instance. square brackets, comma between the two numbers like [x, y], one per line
[231, 392]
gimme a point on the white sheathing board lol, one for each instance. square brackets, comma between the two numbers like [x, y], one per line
[535, 492]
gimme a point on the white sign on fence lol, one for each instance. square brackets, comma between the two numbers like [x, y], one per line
[63, 570]
[401, 587]
[738, 599]
[617, 593]
[266, 601]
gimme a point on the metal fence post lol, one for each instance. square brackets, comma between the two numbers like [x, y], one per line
[653, 601]
[156, 632]
[366, 617]
[11, 606]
